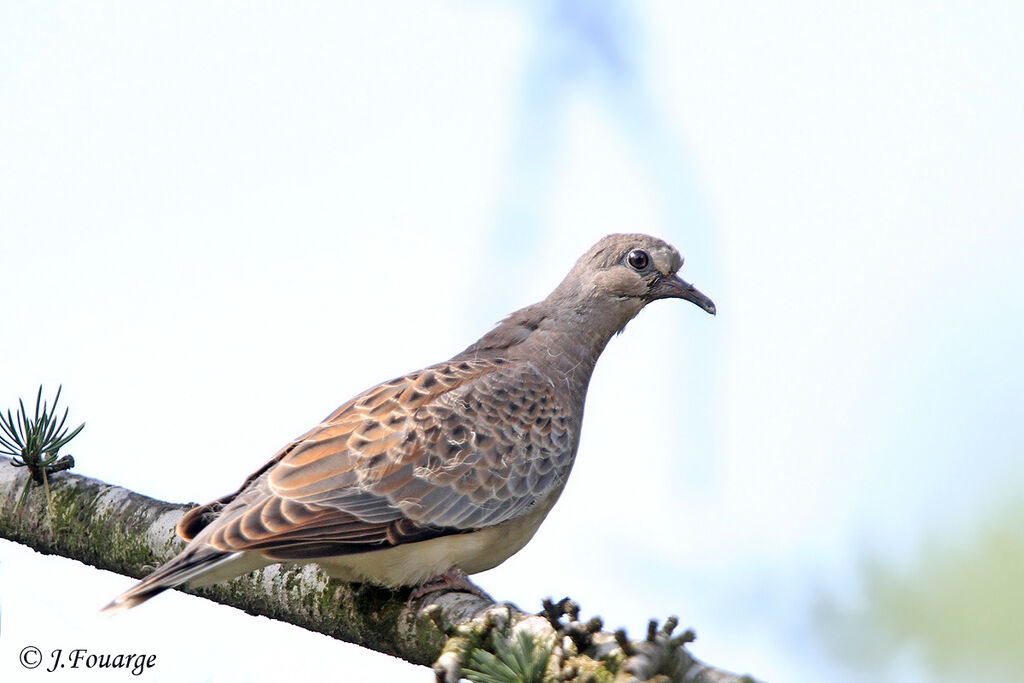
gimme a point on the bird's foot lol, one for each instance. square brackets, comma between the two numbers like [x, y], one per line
[453, 578]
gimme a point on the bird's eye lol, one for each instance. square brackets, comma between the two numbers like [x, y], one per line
[638, 259]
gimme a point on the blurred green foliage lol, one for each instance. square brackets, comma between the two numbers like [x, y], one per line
[958, 606]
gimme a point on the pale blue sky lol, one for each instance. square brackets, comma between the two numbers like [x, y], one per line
[220, 221]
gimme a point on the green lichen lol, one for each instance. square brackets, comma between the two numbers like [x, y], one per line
[125, 532]
[99, 537]
[292, 582]
[427, 636]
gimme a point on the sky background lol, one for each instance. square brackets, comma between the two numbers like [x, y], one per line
[219, 221]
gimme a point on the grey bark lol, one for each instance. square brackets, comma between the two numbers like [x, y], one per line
[113, 528]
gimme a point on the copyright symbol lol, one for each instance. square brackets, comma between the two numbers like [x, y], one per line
[30, 657]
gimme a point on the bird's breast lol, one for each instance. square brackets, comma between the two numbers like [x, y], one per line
[411, 564]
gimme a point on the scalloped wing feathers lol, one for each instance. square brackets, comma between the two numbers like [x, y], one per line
[449, 449]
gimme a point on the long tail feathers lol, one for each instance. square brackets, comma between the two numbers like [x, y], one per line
[185, 567]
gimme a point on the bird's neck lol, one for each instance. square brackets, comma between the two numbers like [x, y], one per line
[562, 342]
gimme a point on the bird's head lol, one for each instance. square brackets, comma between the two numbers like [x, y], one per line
[623, 273]
[606, 288]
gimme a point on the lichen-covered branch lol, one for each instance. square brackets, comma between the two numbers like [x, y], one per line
[116, 529]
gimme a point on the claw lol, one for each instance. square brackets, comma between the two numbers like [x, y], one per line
[454, 578]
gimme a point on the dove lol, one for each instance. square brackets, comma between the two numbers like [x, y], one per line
[444, 472]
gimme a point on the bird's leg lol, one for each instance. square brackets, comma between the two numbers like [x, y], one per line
[453, 578]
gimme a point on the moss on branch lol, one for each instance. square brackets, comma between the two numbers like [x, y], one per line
[112, 528]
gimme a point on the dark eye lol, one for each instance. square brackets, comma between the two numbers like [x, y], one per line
[638, 259]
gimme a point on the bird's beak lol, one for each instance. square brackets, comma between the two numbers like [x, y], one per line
[674, 287]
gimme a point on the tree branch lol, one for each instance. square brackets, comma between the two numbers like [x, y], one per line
[116, 529]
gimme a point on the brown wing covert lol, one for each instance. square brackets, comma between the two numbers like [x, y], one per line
[458, 446]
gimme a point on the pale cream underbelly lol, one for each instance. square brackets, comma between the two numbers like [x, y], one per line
[411, 564]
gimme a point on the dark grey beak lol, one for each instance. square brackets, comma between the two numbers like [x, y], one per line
[675, 287]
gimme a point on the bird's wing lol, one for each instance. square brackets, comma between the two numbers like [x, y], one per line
[455, 447]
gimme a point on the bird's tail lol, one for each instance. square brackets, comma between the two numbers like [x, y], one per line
[191, 563]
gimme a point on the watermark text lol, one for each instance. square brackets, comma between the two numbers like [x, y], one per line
[80, 658]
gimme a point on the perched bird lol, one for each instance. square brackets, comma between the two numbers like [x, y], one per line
[446, 471]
